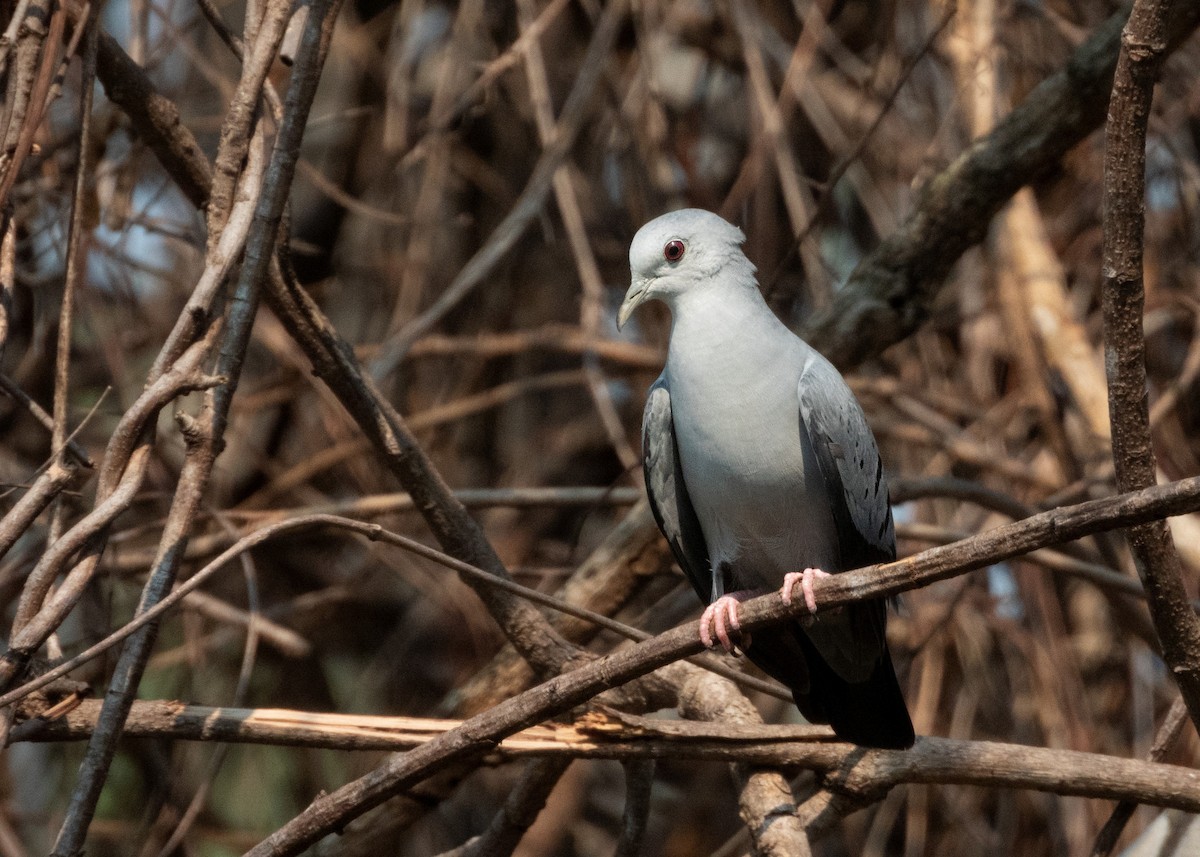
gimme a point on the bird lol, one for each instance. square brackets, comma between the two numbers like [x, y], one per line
[763, 474]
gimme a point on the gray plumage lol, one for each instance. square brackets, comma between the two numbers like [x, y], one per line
[759, 462]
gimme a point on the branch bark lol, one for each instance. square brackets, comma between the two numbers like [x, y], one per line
[853, 771]
[891, 293]
[156, 121]
[1143, 46]
[205, 436]
[561, 693]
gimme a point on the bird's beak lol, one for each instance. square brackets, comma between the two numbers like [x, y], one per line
[633, 298]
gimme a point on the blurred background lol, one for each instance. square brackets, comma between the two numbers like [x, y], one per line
[432, 122]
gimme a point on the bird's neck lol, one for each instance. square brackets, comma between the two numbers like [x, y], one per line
[724, 321]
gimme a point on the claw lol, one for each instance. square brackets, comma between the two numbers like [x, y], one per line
[805, 579]
[721, 616]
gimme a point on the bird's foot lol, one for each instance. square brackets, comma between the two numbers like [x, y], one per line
[805, 579]
[721, 617]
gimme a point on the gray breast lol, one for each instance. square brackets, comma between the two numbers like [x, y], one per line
[747, 469]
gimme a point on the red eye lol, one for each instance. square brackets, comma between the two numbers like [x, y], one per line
[673, 251]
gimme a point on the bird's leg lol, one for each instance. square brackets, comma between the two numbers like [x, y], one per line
[805, 579]
[722, 616]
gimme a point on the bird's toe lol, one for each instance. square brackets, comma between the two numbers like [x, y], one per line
[727, 620]
[806, 585]
[707, 618]
[789, 583]
[720, 617]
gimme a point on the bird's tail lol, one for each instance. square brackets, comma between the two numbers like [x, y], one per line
[870, 713]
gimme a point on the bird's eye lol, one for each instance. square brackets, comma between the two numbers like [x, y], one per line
[673, 251]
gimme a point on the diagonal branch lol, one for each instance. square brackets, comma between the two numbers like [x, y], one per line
[156, 120]
[561, 693]
[891, 293]
[205, 436]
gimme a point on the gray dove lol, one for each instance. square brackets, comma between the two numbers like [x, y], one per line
[763, 474]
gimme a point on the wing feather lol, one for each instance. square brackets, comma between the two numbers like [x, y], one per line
[857, 690]
[669, 500]
[852, 472]
[850, 466]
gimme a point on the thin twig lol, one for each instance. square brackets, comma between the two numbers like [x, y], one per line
[530, 203]
[77, 244]
[552, 337]
[10, 387]
[375, 506]
[1166, 738]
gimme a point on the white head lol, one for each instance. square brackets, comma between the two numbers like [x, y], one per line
[681, 252]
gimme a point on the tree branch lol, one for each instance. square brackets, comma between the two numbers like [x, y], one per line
[157, 122]
[852, 771]
[1143, 46]
[561, 693]
[891, 292]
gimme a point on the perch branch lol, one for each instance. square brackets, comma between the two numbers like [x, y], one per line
[563, 692]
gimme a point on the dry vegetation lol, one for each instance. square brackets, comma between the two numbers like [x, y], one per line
[181, 372]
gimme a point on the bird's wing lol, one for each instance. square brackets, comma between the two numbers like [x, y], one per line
[853, 684]
[850, 466]
[855, 487]
[667, 491]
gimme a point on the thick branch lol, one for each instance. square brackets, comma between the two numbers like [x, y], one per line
[891, 293]
[855, 771]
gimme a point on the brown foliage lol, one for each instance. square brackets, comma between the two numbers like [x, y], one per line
[186, 364]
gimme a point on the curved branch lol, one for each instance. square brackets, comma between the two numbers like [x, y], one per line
[156, 121]
[1143, 47]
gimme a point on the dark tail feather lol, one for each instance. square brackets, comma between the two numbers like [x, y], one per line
[870, 713]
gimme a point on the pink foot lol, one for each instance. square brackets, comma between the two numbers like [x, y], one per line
[721, 616]
[805, 579]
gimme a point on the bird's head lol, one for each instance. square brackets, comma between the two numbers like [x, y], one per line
[681, 252]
